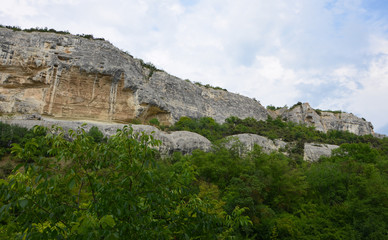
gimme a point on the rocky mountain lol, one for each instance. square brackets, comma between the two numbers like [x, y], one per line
[69, 77]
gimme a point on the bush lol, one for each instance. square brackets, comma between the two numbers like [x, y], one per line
[112, 190]
[154, 121]
[96, 134]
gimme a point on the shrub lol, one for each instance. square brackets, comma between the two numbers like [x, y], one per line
[154, 121]
[96, 134]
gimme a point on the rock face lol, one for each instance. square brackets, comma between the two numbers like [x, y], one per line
[248, 141]
[325, 120]
[73, 78]
[313, 151]
[69, 77]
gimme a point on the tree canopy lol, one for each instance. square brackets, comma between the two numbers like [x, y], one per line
[82, 185]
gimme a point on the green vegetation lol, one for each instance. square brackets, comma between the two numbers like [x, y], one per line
[271, 128]
[79, 185]
[81, 189]
[319, 111]
[295, 105]
[51, 30]
[154, 122]
[273, 108]
[10, 134]
[209, 86]
[151, 67]
[206, 86]
[96, 134]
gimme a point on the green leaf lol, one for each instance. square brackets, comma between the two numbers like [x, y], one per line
[18, 166]
[23, 203]
[107, 221]
[72, 183]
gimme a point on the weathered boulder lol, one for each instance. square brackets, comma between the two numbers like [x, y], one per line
[248, 141]
[313, 151]
[70, 77]
[325, 120]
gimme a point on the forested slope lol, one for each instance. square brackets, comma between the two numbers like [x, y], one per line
[80, 185]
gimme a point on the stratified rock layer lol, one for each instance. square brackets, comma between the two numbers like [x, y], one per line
[69, 77]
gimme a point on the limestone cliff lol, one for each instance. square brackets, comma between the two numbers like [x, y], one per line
[323, 121]
[70, 77]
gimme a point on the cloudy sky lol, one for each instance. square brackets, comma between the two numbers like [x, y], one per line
[330, 53]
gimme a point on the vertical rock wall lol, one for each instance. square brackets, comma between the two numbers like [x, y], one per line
[69, 77]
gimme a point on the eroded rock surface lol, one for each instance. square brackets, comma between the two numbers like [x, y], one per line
[69, 77]
[73, 78]
[313, 151]
[248, 140]
[325, 120]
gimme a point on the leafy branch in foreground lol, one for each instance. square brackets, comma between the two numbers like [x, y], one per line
[114, 189]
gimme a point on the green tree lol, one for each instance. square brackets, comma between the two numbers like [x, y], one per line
[111, 190]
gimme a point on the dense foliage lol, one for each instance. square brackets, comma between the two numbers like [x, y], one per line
[80, 185]
[10, 134]
[271, 128]
[115, 189]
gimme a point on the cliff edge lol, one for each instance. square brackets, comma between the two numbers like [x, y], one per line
[69, 77]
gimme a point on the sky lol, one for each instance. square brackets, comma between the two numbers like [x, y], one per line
[332, 54]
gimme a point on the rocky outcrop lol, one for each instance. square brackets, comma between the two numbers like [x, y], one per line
[381, 136]
[248, 141]
[70, 77]
[325, 120]
[186, 142]
[313, 151]
[180, 141]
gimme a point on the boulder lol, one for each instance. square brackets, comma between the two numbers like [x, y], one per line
[248, 141]
[313, 151]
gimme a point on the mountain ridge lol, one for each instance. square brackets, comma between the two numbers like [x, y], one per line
[72, 77]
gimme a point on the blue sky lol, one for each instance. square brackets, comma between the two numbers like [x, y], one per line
[330, 53]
